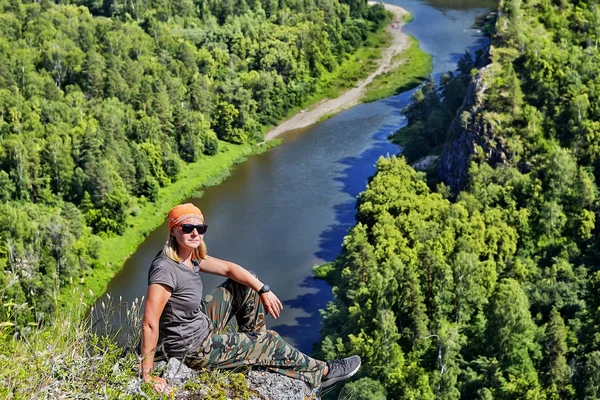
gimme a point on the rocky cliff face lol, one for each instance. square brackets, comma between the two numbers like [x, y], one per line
[471, 135]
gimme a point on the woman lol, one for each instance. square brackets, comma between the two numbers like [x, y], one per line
[179, 323]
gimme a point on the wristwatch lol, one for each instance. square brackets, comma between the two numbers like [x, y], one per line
[264, 289]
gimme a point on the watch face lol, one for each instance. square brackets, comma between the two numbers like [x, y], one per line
[265, 289]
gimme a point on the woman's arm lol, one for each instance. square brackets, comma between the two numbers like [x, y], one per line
[216, 266]
[156, 299]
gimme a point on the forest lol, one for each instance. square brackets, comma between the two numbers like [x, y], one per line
[102, 103]
[489, 289]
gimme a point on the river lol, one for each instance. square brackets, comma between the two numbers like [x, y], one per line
[285, 211]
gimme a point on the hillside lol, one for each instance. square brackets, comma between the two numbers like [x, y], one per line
[480, 280]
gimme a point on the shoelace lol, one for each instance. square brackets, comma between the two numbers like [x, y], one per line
[336, 365]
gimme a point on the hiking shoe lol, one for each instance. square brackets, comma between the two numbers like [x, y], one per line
[340, 370]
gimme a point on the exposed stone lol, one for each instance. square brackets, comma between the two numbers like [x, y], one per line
[178, 373]
[471, 132]
[270, 386]
[263, 384]
[426, 163]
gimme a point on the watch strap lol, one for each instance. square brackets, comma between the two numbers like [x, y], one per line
[264, 289]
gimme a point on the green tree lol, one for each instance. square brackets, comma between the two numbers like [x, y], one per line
[224, 120]
[556, 370]
[365, 389]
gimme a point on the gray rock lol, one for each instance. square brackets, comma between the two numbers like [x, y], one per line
[472, 131]
[467, 130]
[270, 386]
[177, 373]
[263, 384]
[425, 163]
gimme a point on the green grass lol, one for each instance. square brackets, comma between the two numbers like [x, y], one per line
[114, 250]
[416, 67]
[64, 359]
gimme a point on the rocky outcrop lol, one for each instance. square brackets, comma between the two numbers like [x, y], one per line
[426, 163]
[472, 133]
[267, 385]
[262, 385]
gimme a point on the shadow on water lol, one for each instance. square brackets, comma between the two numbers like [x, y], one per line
[354, 178]
[331, 238]
[479, 44]
[310, 323]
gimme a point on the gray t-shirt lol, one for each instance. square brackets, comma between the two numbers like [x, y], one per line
[183, 326]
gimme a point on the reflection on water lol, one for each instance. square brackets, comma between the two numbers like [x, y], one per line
[283, 212]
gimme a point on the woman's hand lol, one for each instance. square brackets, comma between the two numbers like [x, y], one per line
[272, 304]
[216, 266]
[158, 384]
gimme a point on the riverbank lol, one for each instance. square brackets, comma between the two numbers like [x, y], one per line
[390, 59]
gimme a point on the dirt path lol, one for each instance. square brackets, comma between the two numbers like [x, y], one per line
[351, 97]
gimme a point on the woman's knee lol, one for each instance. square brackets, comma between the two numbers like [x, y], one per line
[274, 336]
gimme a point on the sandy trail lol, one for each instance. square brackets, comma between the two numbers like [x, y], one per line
[351, 97]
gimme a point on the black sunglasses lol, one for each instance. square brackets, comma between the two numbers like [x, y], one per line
[189, 228]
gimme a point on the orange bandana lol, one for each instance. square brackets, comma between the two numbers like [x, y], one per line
[180, 213]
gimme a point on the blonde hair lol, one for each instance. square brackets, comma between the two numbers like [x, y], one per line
[171, 250]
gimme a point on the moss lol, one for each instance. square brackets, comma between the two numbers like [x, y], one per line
[238, 387]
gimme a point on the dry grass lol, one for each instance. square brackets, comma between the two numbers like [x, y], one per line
[91, 354]
[69, 358]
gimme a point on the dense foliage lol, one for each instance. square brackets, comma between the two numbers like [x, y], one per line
[102, 102]
[492, 292]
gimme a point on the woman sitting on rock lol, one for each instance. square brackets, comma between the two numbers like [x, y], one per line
[179, 323]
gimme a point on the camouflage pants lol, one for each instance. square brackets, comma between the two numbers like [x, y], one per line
[253, 344]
